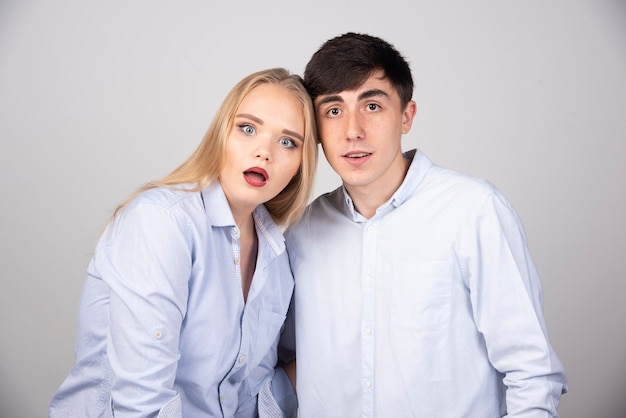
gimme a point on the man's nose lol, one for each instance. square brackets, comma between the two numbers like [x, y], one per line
[354, 127]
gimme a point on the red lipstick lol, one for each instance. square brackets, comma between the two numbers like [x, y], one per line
[256, 176]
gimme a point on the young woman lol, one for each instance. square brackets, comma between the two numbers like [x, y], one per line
[189, 285]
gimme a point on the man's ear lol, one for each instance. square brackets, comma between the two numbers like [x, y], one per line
[408, 114]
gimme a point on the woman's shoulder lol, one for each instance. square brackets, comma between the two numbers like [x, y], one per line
[181, 203]
[168, 196]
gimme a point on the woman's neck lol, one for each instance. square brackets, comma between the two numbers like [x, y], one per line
[248, 249]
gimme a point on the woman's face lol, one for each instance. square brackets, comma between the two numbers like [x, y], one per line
[264, 147]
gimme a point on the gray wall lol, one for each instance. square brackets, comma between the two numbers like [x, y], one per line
[98, 97]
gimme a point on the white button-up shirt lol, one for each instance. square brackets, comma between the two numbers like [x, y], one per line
[163, 327]
[431, 308]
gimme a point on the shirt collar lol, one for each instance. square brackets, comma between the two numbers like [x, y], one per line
[216, 206]
[420, 164]
[267, 228]
[219, 214]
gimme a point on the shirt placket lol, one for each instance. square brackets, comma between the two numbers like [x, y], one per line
[234, 242]
[227, 395]
[367, 318]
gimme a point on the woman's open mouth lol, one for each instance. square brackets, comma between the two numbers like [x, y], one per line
[256, 176]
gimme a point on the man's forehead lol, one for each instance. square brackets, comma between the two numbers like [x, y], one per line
[372, 87]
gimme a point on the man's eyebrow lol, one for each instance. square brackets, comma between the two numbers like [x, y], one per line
[363, 96]
[373, 93]
[329, 99]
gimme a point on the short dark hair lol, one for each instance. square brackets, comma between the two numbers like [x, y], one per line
[346, 61]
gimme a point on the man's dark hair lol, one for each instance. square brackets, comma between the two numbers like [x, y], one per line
[346, 61]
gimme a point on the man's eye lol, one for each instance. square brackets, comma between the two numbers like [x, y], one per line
[287, 143]
[247, 129]
[333, 112]
[372, 106]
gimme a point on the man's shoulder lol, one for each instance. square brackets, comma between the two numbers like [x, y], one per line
[426, 177]
[328, 201]
[454, 181]
[317, 214]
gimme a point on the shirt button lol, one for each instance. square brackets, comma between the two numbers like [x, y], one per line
[367, 383]
[368, 331]
[222, 399]
[242, 359]
[237, 260]
[370, 229]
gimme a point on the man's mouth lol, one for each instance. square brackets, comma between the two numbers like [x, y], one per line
[357, 154]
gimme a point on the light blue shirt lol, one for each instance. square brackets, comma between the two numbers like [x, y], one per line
[163, 327]
[431, 308]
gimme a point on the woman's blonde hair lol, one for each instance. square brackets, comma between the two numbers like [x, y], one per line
[205, 164]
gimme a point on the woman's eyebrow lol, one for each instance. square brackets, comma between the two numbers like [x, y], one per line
[292, 133]
[260, 122]
[249, 116]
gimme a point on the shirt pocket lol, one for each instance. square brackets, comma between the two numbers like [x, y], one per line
[421, 295]
[268, 327]
[267, 332]
[264, 350]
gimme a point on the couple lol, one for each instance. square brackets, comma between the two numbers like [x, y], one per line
[415, 293]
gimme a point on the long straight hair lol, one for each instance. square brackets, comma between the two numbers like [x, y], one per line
[205, 164]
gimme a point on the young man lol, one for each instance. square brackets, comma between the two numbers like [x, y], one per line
[415, 294]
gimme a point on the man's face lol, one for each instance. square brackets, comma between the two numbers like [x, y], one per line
[360, 131]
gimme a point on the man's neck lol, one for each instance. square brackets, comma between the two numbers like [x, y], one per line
[367, 199]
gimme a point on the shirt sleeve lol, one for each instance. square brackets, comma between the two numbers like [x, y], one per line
[146, 261]
[507, 304]
[276, 398]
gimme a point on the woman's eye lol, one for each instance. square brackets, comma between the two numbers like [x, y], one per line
[287, 143]
[247, 129]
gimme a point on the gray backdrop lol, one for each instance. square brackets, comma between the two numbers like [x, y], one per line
[98, 97]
